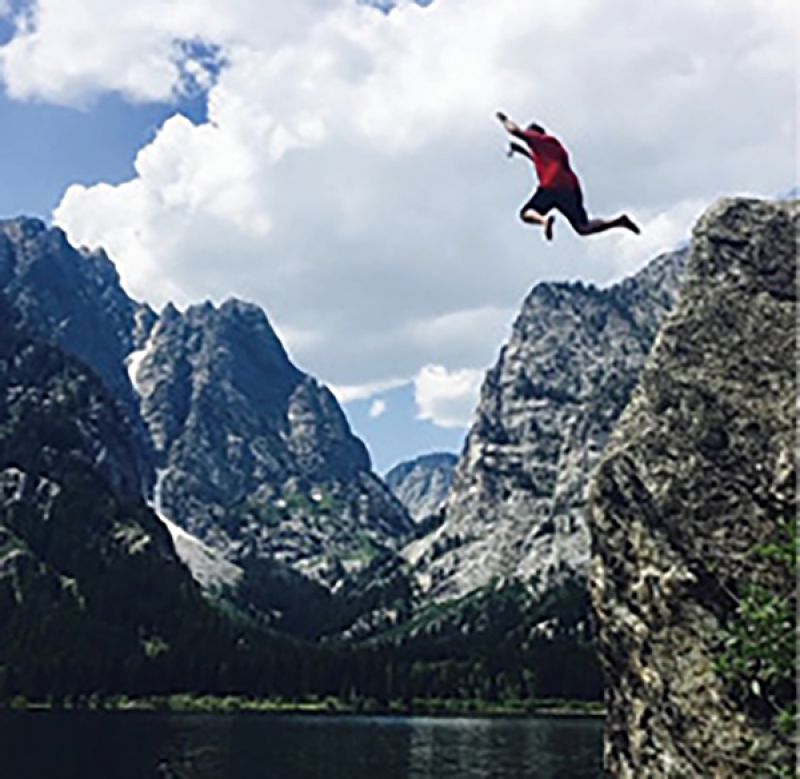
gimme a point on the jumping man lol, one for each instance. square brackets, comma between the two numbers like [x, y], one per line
[559, 187]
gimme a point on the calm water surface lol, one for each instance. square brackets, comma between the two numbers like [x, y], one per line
[137, 745]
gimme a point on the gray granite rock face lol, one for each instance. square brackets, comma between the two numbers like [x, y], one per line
[700, 470]
[546, 410]
[422, 484]
[257, 458]
[73, 299]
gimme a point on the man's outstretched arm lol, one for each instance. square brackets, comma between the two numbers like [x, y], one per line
[511, 127]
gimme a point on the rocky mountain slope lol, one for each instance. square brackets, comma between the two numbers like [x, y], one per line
[546, 410]
[94, 601]
[73, 299]
[257, 458]
[422, 484]
[86, 570]
[691, 494]
[251, 456]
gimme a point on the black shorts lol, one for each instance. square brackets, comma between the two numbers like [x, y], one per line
[568, 201]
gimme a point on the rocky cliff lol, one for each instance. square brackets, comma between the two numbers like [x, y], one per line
[257, 458]
[546, 410]
[71, 297]
[694, 485]
[422, 484]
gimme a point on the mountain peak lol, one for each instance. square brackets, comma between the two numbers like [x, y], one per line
[22, 227]
[546, 410]
[239, 307]
[422, 484]
[169, 313]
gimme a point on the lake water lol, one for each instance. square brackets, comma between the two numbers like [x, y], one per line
[137, 745]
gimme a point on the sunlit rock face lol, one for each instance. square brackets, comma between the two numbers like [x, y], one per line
[258, 458]
[546, 410]
[423, 484]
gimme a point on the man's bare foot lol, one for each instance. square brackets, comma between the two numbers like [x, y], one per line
[548, 228]
[628, 223]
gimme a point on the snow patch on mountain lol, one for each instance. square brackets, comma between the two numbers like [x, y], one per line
[132, 363]
[208, 567]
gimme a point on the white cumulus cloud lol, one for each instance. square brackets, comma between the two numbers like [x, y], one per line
[350, 175]
[447, 398]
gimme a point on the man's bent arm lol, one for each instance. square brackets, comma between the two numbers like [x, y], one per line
[519, 149]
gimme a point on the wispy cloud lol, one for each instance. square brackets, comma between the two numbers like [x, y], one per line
[377, 408]
[349, 393]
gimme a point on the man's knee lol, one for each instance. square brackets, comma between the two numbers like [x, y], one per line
[529, 216]
[582, 226]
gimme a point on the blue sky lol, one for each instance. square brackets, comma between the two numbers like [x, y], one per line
[396, 434]
[44, 148]
[341, 166]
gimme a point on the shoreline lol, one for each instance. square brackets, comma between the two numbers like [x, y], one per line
[228, 705]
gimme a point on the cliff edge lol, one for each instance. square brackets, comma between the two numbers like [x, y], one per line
[698, 479]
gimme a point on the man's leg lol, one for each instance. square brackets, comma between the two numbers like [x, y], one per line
[533, 212]
[532, 217]
[570, 203]
[592, 226]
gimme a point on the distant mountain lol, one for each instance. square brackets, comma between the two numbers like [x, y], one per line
[250, 456]
[546, 410]
[422, 484]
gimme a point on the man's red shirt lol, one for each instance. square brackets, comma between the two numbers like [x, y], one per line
[551, 161]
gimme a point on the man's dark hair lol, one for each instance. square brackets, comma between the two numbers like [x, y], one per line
[536, 127]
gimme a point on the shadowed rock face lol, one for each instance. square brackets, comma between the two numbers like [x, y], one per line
[515, 509]
[700, 469]
[85, 568]
[73, 298]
